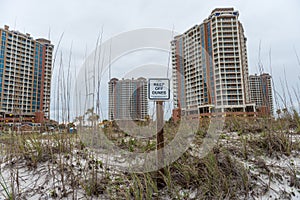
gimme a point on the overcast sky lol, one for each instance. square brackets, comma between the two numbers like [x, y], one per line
[274, 23]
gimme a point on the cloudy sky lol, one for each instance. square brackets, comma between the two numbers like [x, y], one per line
[273, 23]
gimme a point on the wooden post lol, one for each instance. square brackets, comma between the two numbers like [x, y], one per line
[160, 134]
[158, 90]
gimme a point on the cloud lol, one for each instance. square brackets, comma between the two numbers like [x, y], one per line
[274, 24]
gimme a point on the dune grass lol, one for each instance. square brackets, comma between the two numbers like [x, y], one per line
[72, 170]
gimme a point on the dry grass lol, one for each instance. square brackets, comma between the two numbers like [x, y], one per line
[71, 170]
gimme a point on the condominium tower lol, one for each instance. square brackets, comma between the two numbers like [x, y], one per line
[210, 67]
[25, 75]
[127, 99]
[261, 93]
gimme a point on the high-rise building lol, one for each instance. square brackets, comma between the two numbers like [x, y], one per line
[261, 93]
[210, 67]
[25, 75]
[128, 99]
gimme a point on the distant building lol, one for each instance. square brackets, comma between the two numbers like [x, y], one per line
[128, 99]
[210, 66]
[25, 76]
[261, 93]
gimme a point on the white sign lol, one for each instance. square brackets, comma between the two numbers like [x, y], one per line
[159, 89]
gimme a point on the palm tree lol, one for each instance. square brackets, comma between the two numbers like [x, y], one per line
[92, 116]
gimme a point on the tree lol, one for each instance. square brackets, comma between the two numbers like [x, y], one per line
[92, 116]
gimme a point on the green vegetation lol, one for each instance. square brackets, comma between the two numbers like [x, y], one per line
[63, 167]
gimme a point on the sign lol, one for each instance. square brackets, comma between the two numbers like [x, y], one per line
[159, 89]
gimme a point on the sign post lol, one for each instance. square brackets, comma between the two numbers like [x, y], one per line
[160, 132]
[159, 91]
